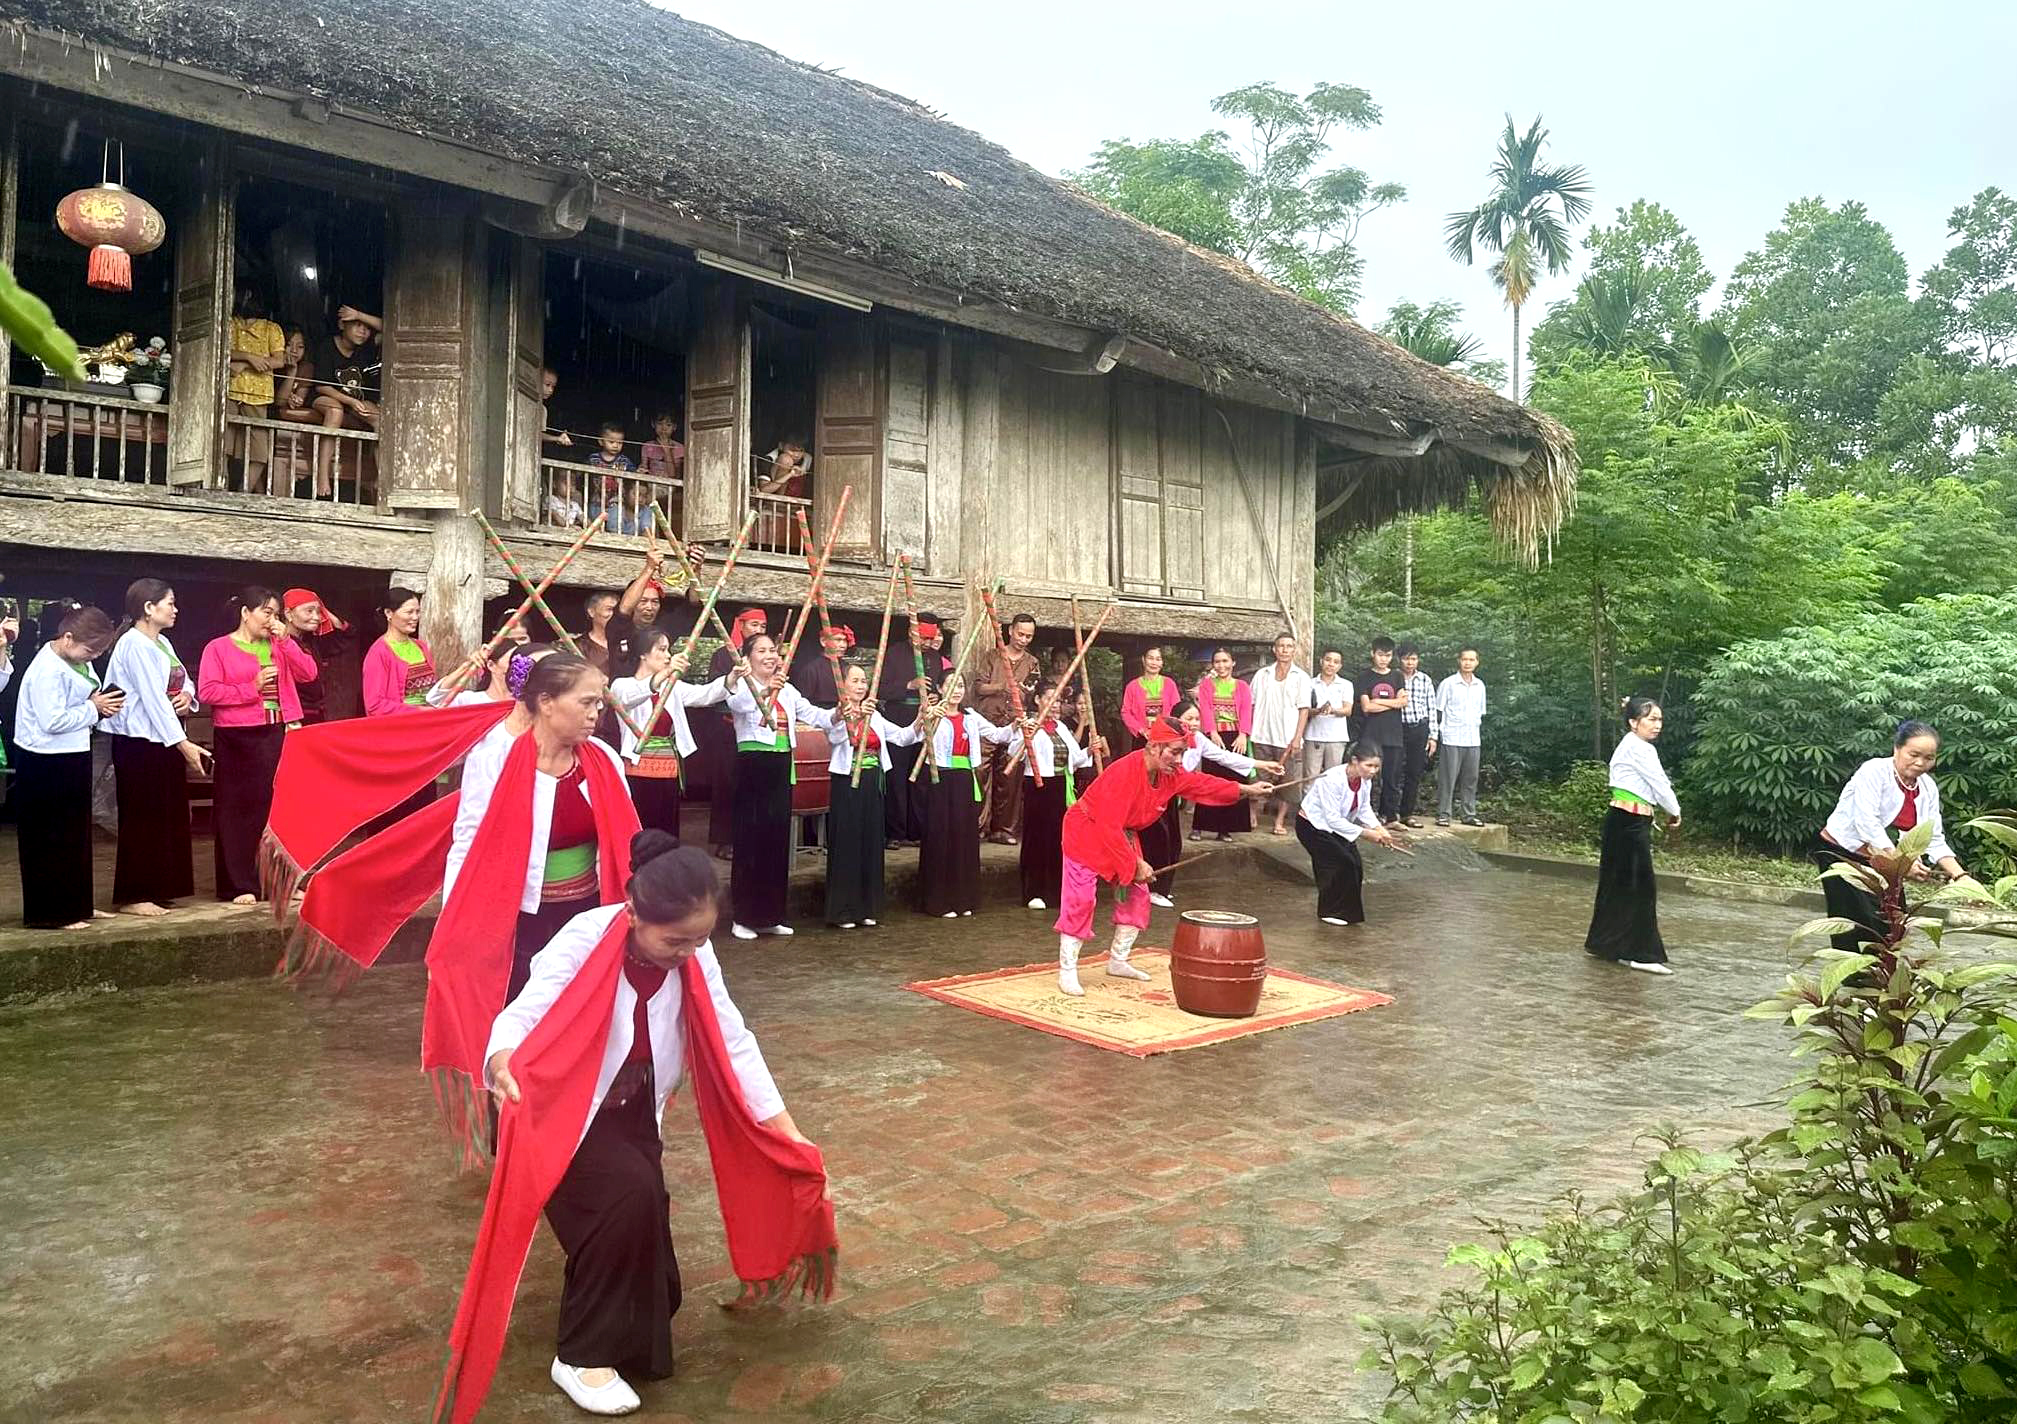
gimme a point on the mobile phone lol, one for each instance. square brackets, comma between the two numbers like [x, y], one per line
[113, 689]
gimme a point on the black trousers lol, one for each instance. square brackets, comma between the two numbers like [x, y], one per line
[1339, 870]
[1162, 842]
[241, 795]
[1625, 923]
[948, 861]
[854, 822]
[154, 862]
[1393, 772]
[1849, 900]
[1043, 850]
[903, 799]
[761, 874]
[657, 799]
[52, 813]
[612, 1215]
[1414, 763]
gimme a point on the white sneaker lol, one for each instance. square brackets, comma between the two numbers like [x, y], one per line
[847, 925]
[780, 930]
[966, 912]
[1647, 968]
[1038, 904]
[742, 931]
[615, 1397]
[950, 915]
[1165, 901]
[868, 922]
[1333, 920]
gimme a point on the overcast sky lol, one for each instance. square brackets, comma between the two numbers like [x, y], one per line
[1722, 111]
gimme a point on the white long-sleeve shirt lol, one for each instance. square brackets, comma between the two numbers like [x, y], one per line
[840, 736]
[480, 770]
[141, 666]
[752, 723]
[1333, 803]
[554, 968]
[53, 713]
[978, 730]
[1635, 767]
[1203, 749]
[1045, 755]
[634, 696]
[1460, 711]
[1870, 802]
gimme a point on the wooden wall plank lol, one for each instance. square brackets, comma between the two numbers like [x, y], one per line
[425, 428]
[847, 433]
[947, 455]
[717, 412]
[203, 241]
[907, 444]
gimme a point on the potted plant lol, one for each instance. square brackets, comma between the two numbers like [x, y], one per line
[147, 371]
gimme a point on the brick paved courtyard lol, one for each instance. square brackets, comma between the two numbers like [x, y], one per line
[229, 1202]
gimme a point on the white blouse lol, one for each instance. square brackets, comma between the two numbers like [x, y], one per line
[752, 723]
[1044, 755]
[1635, 767]
[1203, 749]
[1331, 803]
[1872, 800]
[480, 770]
[554, 968]
[978, 730]
[840, 735]
[53, 713]
[140, 666]
[635, 696]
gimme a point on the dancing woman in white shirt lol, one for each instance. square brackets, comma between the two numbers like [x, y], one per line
[1887, 795]
[1625, 924]
[1337, 813]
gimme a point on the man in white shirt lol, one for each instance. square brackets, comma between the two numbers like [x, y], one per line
[1281, 712]
[1327, 737]
[1460, 714]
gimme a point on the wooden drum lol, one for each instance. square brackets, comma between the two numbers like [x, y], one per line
[1218, 964]
[811, 791]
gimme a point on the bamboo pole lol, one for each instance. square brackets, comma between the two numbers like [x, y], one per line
[875, 677]
[1092, 718]
[825, 618]
[958, 671]
[462, 674]
[1015, 688]
[790, 647]
[1050, 702]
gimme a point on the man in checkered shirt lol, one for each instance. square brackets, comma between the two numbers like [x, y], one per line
[1418, 728]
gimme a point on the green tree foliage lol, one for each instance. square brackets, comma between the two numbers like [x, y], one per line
[1783, 721]
[1642, 291]
[1432, 333]
[1269, 202]
[30, 324]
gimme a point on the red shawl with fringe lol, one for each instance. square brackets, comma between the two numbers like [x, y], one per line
[772, 1189]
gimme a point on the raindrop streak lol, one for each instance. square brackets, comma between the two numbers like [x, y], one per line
[69, 140]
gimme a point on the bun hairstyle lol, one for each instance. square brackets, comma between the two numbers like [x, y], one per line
[251, 596]
[669, 881]
[86, 625]
[1364, 751]
[140, 593]
[1911, 728]
[552, 676]
[1637, 706]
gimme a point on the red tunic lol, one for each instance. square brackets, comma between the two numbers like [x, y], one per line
[1121, 801]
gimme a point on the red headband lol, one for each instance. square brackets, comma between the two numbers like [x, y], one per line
[925, 627]
[846, 633]
[1161, 732]
[739, 631]
[295, 597]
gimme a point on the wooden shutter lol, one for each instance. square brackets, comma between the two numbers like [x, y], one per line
[423, 430]
[906, 458]
[1179, 426]
[1139, 478]
[847, 438]
[717, 413]
[202, 317]
[524, 300]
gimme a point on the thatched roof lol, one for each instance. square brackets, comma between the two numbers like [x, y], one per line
[718, 129]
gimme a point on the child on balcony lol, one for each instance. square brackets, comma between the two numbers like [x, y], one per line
[789, 469]
[562, 507]
[664, 455]
[608, 455]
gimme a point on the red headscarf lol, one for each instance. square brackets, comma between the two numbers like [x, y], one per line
[739, 631]
[295, 597]
[1162, 731]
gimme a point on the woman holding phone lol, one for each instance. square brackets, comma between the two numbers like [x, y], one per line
[61, 704]
[152, 757]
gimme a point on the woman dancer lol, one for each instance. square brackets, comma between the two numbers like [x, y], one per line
[761, 877]
[399, 669]
[1148, 697]
[854, 861]
[1887, 796]
[1625, 924]
[948, 860]
[624, 1002]
[60, 703]
[1162, 843]
[656, 766]
[1227, 705]
[1336, 814]
[152, 757]
[247, 679]
[716, 737]
[1057, 752]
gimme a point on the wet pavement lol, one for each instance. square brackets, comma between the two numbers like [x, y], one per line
[230, 1202]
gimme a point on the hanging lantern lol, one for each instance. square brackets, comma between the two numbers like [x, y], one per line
[115, 225]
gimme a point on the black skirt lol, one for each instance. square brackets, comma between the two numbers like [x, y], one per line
[1340, 872]
[760, 877]
[536, 930]
[657, 799]
[612, 1215]
[52, 814]
[948, 863]
[1043, 853]
[902, 798]
[241, 795]
[1849, 900]
[154, 862]
[1625, 924]
[716, 749]
[1162, 844]
[854, 822]
[1215, 820]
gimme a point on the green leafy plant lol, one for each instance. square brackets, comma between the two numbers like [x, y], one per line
[30, 324]
[1857, 1265]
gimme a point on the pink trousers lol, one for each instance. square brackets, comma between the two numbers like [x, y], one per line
[1080, 896]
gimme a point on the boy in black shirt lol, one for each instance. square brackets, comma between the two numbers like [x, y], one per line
[1381, 696]
[348, 378]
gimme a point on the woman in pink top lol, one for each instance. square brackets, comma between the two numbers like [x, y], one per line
[399, 669]
[1226, 708]
[1148, 697]
[247, 680]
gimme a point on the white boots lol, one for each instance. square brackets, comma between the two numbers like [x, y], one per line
[1117, 957]
[1117, 960]
[1068, 966]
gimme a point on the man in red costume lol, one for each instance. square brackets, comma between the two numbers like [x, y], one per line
[1102, 841]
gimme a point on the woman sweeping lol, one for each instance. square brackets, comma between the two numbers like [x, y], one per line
[152, 757]
[624, 1002]
[948, 858]
[1337, 813]
[761, 874]
[1625, 925]
[1054, 749]
[1227, 706]
[1147, 698]
[60, 703]
[247, 679]
[854, 861]
[656, 765]
[1887, 797]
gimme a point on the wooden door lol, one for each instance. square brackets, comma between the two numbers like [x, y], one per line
[523, 299]
[1179, 429]
[717, 413]
[423, 427]
[906, 446]
[203, 241]
[847, 435]
[1138, 472]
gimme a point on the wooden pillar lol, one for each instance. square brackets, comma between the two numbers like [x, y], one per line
[203, 241]
[945, 457]
[717, 412]
[980, 451]
[10, 196]
[1301, 550]
[847, 435]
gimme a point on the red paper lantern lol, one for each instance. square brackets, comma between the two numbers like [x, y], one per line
[115, 225]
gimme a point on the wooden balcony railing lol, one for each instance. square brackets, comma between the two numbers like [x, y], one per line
[571, 495]
[90, 436]
[292, 459]
[776, 527]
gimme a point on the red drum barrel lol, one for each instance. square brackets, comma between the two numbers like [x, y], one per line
[812, 792]
[1218, 964]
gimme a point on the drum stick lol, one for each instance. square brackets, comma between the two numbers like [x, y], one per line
[1163, 870]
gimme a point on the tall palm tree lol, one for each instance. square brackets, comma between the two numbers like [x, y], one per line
[1525, 220]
